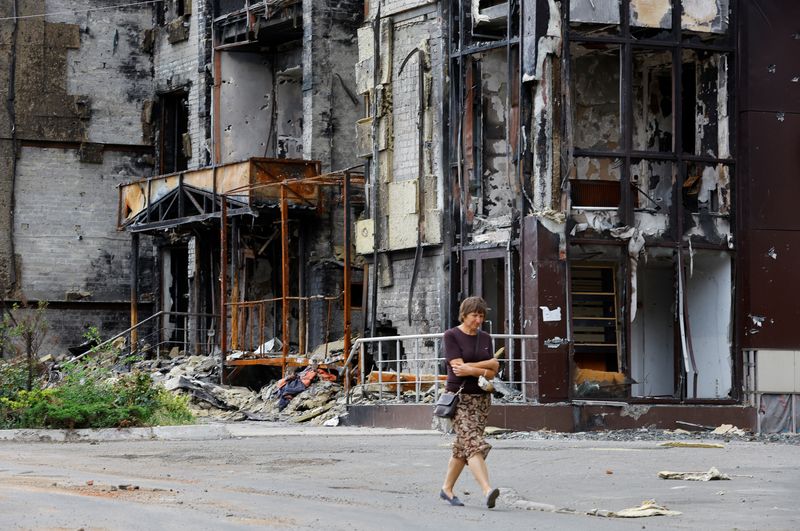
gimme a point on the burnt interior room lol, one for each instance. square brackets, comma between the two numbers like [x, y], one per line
[651, 247]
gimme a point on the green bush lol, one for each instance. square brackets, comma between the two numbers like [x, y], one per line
[13, 377]
[90, 396]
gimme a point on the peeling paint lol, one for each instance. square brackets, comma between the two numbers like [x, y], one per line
[599, 221]
[594, 11]
[555, 342]
[705, 15]
[549, 44]
[651, 13]
[634, 410]
[596, 104]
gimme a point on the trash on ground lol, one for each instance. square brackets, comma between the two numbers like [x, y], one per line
[647, 508]
[710, 475]
[728, 429]
[686, 444]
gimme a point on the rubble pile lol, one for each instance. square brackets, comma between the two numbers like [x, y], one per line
[197, 376]
[656, 435]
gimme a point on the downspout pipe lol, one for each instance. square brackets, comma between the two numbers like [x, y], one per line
[12, 116]
[375, 169]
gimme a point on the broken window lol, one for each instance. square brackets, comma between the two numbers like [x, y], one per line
[490, 18]
[651, 19]
[223, 7]
[652, 100]
[484, 58]
[595, 18]
[706, 189]
[174, 144]
[652, 181]
[704, 21]
[706, 105]
[651, 172]
[595, 84]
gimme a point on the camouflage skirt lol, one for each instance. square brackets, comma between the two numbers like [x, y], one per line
[469, 424]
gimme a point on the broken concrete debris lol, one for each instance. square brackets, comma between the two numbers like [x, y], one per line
[710, 475]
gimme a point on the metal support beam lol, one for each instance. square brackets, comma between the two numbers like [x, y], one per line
[223, 286]
[284, 277]
[134, 290]
[347, 281]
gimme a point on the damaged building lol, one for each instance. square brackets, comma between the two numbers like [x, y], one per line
[257, 180]
[599, 171]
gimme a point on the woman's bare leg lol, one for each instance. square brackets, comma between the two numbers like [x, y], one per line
[454, 468]
[477, 464]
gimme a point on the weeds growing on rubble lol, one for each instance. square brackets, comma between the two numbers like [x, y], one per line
[88, 396]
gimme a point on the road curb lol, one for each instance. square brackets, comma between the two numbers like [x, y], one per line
[195, 432]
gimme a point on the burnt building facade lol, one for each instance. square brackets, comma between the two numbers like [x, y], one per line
[612, 176]
[599, 173]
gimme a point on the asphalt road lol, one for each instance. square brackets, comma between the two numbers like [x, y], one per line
[246, 476]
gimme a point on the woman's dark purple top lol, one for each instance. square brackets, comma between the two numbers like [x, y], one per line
[469, 348]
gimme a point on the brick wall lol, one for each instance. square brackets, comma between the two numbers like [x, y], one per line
[426, 315]
[182, 65]
[65, 225]
[110, 67]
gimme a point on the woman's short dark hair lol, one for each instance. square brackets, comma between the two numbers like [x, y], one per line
[470, 305]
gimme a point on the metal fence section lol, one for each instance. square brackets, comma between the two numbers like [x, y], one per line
[191, 333]
[394, 365]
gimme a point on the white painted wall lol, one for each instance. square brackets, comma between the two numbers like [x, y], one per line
[652, 349]
[710, 299]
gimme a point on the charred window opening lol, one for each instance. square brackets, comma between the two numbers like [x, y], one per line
[486, 275]
[649, 189]
[223, 7]
[484, 96]
[596, 86]
[652, 101]
[490, 19]
[174, 132]
[175, 293]
[171, 10]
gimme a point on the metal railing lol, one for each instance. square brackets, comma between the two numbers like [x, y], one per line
[416, 362]
[191, 333]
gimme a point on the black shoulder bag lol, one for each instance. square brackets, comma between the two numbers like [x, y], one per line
[446, 405]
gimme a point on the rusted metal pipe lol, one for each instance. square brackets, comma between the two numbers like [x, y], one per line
[134, 289]
[347, 281]
[235, 284]
[223, 272]
[284, 276]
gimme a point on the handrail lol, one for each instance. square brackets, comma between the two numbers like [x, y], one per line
[358, 346]
[135, 327]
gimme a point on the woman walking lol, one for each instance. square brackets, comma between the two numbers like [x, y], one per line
[468, 353]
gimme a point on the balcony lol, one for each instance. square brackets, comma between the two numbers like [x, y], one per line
[166, 201]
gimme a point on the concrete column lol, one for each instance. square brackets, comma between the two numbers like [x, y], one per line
[330, 108]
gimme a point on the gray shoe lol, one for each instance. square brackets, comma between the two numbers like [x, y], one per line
[452, 501]
[492, 498]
